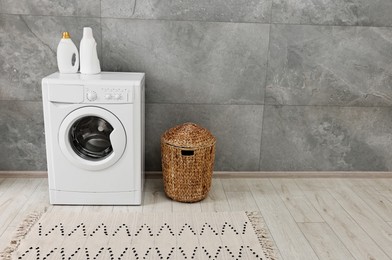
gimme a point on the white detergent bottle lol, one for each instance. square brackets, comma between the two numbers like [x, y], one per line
[89, 62]
[67, 55]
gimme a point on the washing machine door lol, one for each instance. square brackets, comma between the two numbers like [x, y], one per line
[92, 138]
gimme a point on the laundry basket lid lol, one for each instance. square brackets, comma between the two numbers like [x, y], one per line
[188, 135]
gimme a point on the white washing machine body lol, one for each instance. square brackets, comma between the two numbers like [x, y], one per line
[94, 131]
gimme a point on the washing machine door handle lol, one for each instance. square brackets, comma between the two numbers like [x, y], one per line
[118, 140]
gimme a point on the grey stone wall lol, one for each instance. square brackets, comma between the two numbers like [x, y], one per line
[283, 84]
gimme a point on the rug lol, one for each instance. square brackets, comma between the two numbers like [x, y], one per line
[91, 235]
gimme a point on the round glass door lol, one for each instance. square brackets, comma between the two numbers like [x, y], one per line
[90, 138]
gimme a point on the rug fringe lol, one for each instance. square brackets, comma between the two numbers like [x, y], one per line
[262, 234]
[20, 233]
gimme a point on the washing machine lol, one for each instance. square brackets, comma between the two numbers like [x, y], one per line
[94, 133]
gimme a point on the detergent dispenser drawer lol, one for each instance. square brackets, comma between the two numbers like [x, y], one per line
[66, 93]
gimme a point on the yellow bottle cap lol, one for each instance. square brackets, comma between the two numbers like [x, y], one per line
[66, 35]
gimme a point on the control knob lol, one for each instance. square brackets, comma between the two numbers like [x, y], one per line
[108, 96]
[91, 96]
[117, 96]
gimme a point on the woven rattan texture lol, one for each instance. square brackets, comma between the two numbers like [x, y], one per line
[188, 135]
[187, 176]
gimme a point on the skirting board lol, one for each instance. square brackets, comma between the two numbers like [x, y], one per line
[223, 174]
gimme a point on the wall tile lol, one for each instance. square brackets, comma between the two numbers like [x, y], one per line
[22, 136]
[333, 12]
[28, 51]
[52, 7]
[209, 66]
[324, 65]
[190, 62]
[297, 138]
[202, 10]
[237, 129]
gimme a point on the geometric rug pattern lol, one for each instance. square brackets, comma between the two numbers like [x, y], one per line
[93, 236]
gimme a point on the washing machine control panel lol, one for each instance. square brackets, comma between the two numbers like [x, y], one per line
[98, 94]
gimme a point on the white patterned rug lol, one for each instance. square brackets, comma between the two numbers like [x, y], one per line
[88, 236]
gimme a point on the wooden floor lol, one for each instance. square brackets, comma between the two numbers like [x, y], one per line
[307, 218]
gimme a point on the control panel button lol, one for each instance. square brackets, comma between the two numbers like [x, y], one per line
[117, 96]
[108, 96]
[91, 95]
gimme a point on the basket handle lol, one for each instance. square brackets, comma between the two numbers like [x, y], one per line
[187, 152]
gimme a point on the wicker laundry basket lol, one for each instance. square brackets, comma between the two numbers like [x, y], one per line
[188, 153]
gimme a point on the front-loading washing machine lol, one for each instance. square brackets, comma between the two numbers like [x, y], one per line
[94, 132]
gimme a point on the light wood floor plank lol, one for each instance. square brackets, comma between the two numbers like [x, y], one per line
[37, 202]
[376, 200]
[288, 237]
[156, 201]
[318, 184]
[359, 183]
[153, 185]
[14, 198]
[6, 185]
[356, 240]
[216, 200]
[296, 202]
[387, 195]
[241, 201]
[19, 196]
[372, 223]
[235, 185]
[382, 184]
[324, 241]
[1, 180]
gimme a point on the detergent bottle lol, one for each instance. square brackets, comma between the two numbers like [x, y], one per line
[67, 55]
[89, 62]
